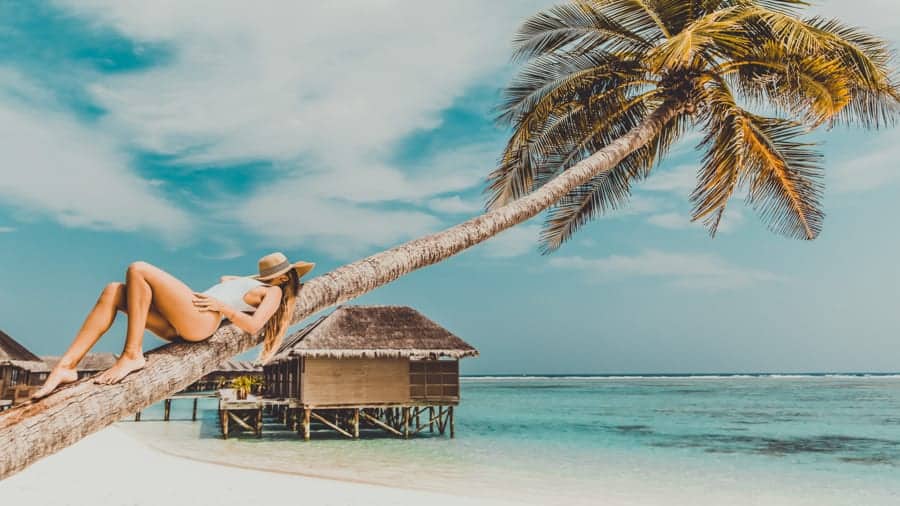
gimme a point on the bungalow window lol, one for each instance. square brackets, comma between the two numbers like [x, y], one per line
[14, 379]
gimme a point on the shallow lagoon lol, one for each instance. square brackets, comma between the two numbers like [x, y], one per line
[764, 439]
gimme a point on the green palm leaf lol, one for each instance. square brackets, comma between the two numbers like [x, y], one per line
[752, 75]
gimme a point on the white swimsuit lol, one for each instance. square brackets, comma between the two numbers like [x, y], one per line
[232, 292]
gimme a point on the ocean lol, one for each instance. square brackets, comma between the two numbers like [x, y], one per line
[583, 440]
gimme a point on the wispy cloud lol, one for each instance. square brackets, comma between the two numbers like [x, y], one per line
[870, 166]
[227, 248]
[455, 205]
[680, 179]
[681, 221]
[326, 90]
[6, 230]
[512, 242]
[58, 167]
[689, 270]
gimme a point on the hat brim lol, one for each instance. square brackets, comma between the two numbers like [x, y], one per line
[301, 267]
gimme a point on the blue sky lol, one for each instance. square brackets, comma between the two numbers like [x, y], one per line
[199, 136]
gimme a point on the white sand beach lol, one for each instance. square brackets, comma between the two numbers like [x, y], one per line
[112, 468]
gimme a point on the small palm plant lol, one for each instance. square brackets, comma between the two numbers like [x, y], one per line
[243, 385]
[752, 75]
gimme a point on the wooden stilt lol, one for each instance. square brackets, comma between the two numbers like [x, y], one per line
[379, 423]
[137, 416]
[168, 407]
[356, 423]
[240, 422]
[306, 424]
[406, 422]
[430, 418]
[225, 423]
[452, 427]
[332, 425]
[194, 414]
[259, 422]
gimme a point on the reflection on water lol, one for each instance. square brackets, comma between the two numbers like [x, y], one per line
[814, 440]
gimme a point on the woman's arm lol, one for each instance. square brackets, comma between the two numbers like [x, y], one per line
[255, 322]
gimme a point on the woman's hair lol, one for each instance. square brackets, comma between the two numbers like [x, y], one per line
[279, 322]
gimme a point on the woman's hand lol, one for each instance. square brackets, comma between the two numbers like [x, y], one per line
[204, 302]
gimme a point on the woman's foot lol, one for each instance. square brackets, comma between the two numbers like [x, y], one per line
[125, 365]
[58, 376]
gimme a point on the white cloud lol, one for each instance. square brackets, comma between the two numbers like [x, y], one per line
[680, 221]
[512, 242]
[76, 175]
[333, 226]
[326, 90]
[680, 179]
[455, 205]
[227, 249]
[689, 270]
[869, 166]
[6, 230]
[671, 221]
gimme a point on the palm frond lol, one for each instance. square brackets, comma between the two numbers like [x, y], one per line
[549, 79]
[607, 191]
[814, 89]
[783, 176]
[550, 114]
[723, 160]
[577, 28]
[637, 16]
[866, 60]
[703, 40]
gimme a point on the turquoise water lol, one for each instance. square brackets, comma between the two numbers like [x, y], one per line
[616, 440]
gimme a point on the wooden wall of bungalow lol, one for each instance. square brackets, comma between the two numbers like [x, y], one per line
[19, 378]
[342, 381]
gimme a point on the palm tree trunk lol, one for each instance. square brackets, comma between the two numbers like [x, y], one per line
[36, 429]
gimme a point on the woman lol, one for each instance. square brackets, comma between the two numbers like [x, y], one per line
[157, 301]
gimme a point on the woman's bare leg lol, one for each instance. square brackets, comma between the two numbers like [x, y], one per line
[146, 284]
[98, 321]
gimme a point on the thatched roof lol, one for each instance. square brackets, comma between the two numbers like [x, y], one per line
[92, 362]
[10, 349]
[28, 365]
[13, 353]
[237, 366]
[374, 331]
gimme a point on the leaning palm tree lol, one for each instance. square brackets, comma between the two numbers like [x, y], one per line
[610, 85]
[751, 75]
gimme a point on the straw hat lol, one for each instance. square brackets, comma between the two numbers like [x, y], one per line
[276, 264]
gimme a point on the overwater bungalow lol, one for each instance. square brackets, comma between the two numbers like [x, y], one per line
[91, 364]
[21, 371]
[380, 366]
